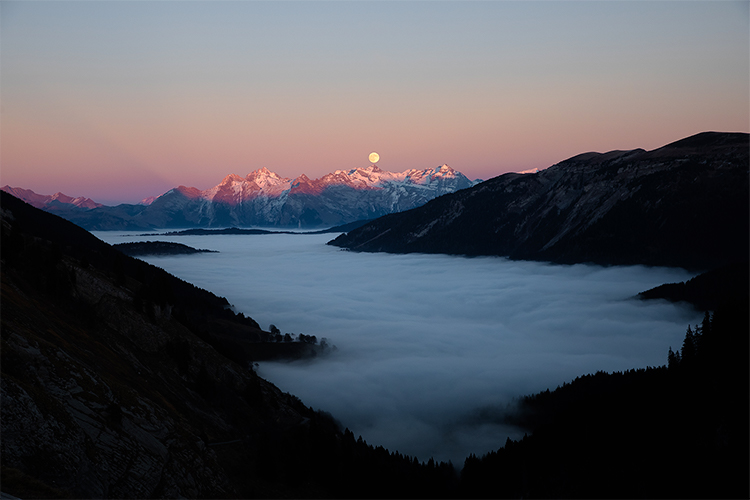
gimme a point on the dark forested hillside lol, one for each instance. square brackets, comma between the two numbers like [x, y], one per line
[685, 204]
[676, 431]
[118, 383]
[137, 248]
[707, 290]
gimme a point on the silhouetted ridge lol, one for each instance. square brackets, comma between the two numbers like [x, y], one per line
[709, 140]
[684, 204]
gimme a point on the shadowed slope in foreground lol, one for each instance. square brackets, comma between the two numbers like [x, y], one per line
[111, 388]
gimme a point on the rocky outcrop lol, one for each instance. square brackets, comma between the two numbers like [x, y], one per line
[684, 204]
[92, 442]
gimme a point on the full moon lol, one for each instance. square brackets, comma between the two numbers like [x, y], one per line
[374, 157]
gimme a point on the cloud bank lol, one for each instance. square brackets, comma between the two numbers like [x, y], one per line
[430, 346]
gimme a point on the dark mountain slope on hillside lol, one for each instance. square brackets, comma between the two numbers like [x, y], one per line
[676, 431]
[685, 204]
[707, 290]
[115, 385]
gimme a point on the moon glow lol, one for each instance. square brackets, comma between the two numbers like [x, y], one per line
[374, 157]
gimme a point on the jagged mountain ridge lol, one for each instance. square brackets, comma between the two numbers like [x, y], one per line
[50, 202]
[263, 198]
[685, 204]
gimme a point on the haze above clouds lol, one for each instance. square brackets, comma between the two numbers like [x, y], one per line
[427, 341]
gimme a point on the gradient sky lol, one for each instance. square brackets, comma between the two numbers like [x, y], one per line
[118, 101]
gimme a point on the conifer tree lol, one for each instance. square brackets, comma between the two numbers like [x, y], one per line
[673, 359]
[688, 346]
[705, 333]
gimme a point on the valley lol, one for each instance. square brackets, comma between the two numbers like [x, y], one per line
[426, 341]
[120, 374]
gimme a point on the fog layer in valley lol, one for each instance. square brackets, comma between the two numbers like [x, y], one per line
[431, 347]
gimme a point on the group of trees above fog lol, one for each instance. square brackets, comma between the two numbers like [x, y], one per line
[276, 336]
[693, 345]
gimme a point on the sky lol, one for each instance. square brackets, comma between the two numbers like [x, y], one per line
[121, 100]
[433, 348]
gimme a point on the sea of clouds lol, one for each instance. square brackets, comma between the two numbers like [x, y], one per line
[430, 347]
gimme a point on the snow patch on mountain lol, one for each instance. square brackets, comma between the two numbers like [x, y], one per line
[264, 198]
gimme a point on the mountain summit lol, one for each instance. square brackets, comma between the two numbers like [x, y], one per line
[235, 190]
[264, 198]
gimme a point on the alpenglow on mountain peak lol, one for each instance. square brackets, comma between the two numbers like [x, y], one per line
[264, 182]
[266, 199]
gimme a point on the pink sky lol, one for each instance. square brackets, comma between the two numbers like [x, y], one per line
[120, 101]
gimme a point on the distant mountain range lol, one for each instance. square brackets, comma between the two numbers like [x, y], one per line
[684, 204]
[263, 198]
[51, 203]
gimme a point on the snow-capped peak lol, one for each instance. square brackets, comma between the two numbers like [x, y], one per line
[231, 179]
[365, 191]
[228, 190]
[267, 180]
[444, 171]
[373, 176]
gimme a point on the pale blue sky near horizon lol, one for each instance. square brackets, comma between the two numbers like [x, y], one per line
[122, 100]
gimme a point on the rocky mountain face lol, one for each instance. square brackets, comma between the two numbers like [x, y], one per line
[685, 204]
[263, 198]
[107, 390]
[122, 381]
